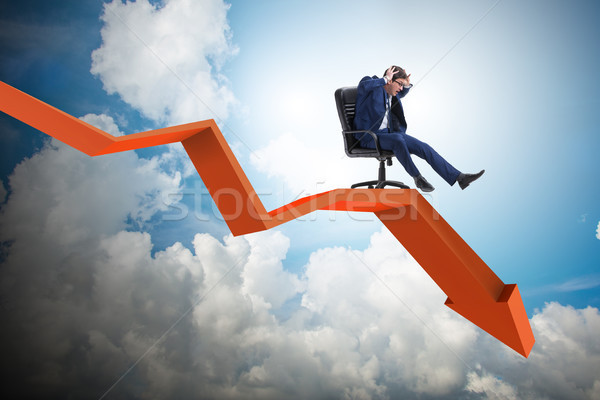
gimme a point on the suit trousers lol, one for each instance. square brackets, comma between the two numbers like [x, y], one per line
[404, 145]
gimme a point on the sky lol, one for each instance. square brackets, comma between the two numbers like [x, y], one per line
[119, 278]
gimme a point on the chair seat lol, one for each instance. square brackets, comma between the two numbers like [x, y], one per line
[363, 152]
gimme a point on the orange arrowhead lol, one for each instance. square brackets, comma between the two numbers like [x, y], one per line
[505, 319]
[476, 292]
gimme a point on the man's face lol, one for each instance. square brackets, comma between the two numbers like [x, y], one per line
[395, 86]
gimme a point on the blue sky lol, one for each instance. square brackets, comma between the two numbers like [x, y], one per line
[502, 85]
[519, 102]
[515, 96]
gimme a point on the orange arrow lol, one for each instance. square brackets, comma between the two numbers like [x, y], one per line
[473, 290]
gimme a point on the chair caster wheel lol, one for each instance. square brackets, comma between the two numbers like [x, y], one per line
[370, 186]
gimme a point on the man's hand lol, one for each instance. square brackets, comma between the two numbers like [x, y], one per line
[405, 82]
[389, 74]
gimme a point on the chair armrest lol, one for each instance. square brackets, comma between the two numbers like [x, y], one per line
[373, 135]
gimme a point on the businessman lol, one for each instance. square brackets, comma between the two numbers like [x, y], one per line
[379, 109]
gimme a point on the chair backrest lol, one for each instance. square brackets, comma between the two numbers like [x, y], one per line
[345, 99]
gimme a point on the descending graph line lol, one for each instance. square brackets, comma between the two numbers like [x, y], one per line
[473, 289]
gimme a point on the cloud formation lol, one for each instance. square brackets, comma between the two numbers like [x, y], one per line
[104, 122]
[165, 60]
[84, 298]
[310, 169]
[493, 388]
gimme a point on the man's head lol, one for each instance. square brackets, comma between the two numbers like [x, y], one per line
[400, 72]
[398, 81]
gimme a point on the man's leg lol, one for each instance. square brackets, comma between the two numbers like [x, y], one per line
[396, 142]
[437, 162]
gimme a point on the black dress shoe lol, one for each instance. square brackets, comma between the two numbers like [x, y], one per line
[422, 184]
[465, 180]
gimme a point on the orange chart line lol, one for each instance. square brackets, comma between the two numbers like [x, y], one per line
[473, 290]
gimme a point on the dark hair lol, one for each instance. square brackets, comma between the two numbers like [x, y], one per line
[400, 74]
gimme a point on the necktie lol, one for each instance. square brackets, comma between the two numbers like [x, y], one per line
[388, 108]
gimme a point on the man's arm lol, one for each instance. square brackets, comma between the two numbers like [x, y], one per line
[368, 83]
[406, 85]
[404, 91]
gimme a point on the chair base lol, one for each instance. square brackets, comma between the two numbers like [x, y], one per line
[380, 184]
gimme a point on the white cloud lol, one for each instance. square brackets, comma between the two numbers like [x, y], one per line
[165, 60]
[310, 169]
[598, 231]
[104, 122]
[493, 387]
[76, 196]
[174, 160]
[566, 357]
[264, 274]
[579, 283]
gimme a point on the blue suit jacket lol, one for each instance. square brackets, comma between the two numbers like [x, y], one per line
[370, 107]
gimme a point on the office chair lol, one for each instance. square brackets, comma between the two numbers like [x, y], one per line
[345, 99]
